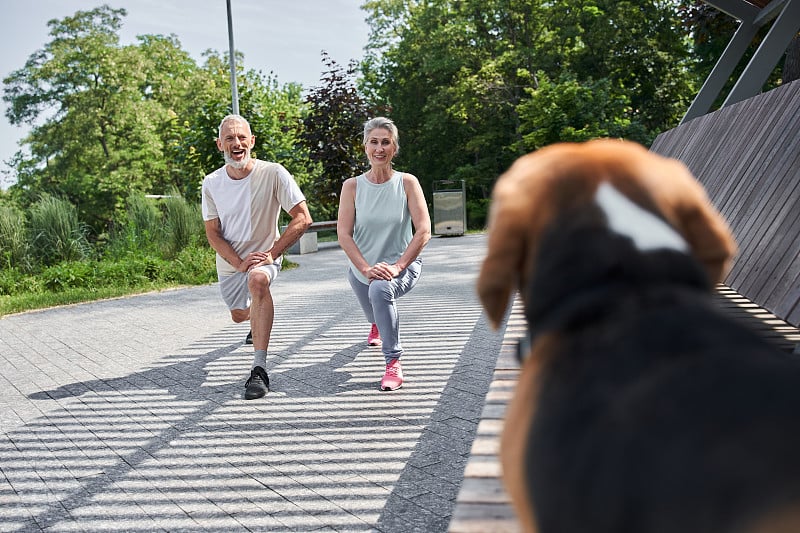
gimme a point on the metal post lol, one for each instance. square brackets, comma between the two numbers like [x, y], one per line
[234, 92]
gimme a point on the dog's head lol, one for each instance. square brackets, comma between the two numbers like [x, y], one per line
[651, 199]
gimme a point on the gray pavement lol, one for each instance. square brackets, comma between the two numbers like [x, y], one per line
[127, 414]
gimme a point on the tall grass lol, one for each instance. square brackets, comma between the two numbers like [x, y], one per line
[13, 239]
[139, 229]
[56, 232]
[155, 244]
[183, 223]
[143, 219]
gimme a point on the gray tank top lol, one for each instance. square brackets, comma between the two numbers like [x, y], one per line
[383, 222]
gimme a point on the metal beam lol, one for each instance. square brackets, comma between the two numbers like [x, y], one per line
[763, 62]
[768, 54]
[770, 11]
[738, 9]
[722, 71]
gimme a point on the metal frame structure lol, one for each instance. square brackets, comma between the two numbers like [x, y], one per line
[753, 15]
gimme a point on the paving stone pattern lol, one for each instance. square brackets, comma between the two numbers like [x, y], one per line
[127, 414]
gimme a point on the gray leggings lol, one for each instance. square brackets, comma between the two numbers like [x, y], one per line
[378, 298]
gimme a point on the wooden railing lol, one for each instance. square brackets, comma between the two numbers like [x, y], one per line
[747, 156]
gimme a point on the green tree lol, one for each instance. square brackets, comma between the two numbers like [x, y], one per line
[566, 110]
[275, 114]
[99, 112]
[109, 119]
[461, 77]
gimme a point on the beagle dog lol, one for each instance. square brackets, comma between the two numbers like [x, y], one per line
[640, 406]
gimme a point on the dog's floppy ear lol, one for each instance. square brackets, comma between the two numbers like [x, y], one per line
[500, 269]
[687, 205]
[514, 216]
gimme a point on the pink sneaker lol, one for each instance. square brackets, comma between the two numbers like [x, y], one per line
[374, 337]
[393, 377]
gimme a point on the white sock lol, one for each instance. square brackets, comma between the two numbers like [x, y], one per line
[260, 359]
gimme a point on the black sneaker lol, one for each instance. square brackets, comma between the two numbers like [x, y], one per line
[249, 338]
[257, 385]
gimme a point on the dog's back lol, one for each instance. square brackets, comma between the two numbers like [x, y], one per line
[641, 408]
[656, 412]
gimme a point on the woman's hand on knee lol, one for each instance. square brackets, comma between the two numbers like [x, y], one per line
[383, 271]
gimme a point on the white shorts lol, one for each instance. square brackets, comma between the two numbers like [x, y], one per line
[234, 287]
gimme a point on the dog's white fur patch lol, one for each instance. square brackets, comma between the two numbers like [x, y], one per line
[647, 231]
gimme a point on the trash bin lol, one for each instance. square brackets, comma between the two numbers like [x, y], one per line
[449, 207]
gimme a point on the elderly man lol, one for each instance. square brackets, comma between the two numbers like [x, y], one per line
[241, 204]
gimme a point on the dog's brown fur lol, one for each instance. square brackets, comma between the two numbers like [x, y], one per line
[526, 200]
[562, 176]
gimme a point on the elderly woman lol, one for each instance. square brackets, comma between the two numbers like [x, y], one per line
[383, 226]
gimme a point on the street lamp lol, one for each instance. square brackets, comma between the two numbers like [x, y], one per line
[234, 92]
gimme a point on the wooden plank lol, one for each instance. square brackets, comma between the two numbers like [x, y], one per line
[323, 225]
[748, 158]
[482, 504]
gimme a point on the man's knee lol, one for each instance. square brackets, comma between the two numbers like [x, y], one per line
[258, 283]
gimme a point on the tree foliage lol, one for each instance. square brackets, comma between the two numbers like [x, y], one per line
[332, 134]
[98, 110]
[472, 85]
[475, 83]
[108, 119]
[710, 31]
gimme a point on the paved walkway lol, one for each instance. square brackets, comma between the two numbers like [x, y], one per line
[126, 415]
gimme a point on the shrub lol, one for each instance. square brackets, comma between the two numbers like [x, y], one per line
[13, 238]
[182, 221]
[56, 233]
[193, 265]
[14, 281]
[477, 213]
[68, 275]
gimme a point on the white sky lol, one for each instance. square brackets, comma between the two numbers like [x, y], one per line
[285, 37]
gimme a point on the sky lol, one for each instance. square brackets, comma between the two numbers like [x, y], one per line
[285, 37]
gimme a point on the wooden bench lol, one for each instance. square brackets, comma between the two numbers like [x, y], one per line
[308, 242]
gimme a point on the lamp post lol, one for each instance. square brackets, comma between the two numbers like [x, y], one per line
[234, 92]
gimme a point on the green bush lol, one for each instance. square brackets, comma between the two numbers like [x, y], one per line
[477, 213]
[182, 221]
[194, 265]
[13, 238]
[14, 281]
[67, 275]
[129, 272]
[56, 233]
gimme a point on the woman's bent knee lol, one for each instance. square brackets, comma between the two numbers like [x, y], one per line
[380, 290]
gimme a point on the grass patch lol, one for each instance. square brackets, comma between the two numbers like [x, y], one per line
[327, 236]
[19, 303]
[81, 282]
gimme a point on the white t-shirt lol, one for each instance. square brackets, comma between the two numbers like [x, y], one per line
[248, 208]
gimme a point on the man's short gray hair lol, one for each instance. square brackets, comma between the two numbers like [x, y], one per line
[385, 123]
[231, 118]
